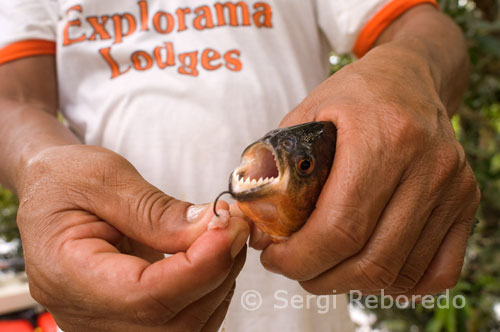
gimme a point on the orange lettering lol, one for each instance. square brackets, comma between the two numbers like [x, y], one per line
[233, 16]
[190, 67]
[169, 47]
[117, 23]
[157, 22]
[207, 57]
[204, 16]
[233, 63]
[263, 16]
[115, 67]
[136, 59]
[143, 6]
[66, 39]
[181, 12]
[99, 27]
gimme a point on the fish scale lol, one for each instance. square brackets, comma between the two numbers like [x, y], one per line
[277, 185]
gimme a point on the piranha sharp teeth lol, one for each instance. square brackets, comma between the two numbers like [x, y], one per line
[282, 199]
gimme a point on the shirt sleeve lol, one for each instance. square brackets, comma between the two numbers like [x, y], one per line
[28, 28]
[352, 26]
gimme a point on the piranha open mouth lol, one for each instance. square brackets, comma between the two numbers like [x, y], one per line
[258, 169]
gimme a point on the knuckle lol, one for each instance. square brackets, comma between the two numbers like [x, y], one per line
[471, 182]
[408, 276]
[151, 312]
[405, 131]
[352, 234]
[313, 288]
[303, 265]
[301, 274]
[39, 296]
[451, 157]
[446, 279]
[375, 275]
[477, 195]
[403, 283]
[291, 270]
[150, 205]
[141, 206]
[350, 238]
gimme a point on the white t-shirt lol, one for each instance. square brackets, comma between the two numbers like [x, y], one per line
[180, 88]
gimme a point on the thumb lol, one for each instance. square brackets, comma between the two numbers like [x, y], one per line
[146, 214]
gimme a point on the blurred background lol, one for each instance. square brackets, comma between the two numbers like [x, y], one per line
[477, 126]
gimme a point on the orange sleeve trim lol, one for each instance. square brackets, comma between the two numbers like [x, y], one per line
[26, 48]
[381, 20]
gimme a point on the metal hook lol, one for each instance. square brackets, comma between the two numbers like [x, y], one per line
[217, 199]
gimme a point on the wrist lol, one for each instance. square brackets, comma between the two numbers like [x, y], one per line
[404, 61]
[28, 130]
[425, 34]
[35, 161]
[403, 74]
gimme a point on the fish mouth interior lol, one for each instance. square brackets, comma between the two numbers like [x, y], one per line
[258, 168]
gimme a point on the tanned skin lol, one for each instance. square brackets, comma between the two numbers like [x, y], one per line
[397, 208]
[395, 212]
[93, 230]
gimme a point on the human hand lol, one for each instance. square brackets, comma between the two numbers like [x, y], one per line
[396, 210]
[94, 231]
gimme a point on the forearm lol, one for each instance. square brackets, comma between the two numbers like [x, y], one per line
[28, 120]
[424, 37]
[26, 129]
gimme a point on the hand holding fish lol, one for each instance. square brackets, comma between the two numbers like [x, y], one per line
[94, 233]
[396, 210]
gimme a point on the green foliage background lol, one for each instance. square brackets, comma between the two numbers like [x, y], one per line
[477, 125]
[8, 210]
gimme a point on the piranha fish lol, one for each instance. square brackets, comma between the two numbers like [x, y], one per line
[281, 176]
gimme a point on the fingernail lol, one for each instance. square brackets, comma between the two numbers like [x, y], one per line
[239, 243]
[194, 212]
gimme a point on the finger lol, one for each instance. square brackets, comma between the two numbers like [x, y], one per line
[161, 222]
[378, 264]
[258, 239]
[124, 283]
[217, 319]
[120, 196]
[445, 267]
[131, 247]
[346, 213]
[236, 211]
[422, 253]
[200, 270]
[198, 314]
[464, 195]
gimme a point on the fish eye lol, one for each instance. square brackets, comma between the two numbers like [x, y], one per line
[305, 166]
